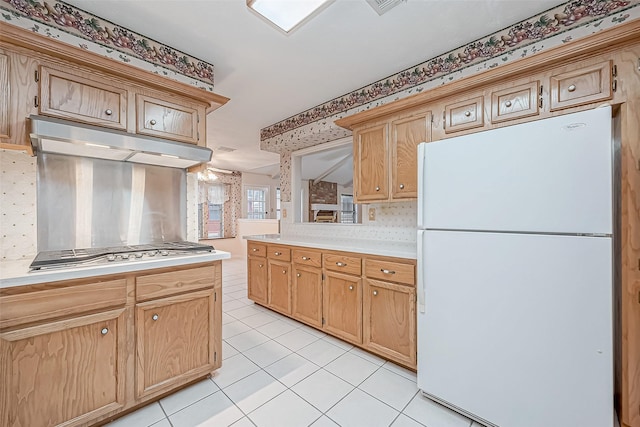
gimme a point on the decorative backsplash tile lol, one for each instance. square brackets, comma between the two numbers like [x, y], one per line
[69, 24]
[18, 210]
[506, 45]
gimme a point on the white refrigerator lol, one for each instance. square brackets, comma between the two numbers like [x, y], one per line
[515, 273]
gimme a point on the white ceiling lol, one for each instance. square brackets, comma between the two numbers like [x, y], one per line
[270, 76]
[334, 165]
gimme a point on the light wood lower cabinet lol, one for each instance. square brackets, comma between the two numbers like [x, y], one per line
[257, 279]
[307, 294]
[342, 303]
[389, 320]
[280, 286]
[174, 340]
[65, 372]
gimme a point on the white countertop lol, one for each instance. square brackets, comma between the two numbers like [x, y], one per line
[371, 247]
[16, 273]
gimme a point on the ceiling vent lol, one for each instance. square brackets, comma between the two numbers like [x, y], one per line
[223, 149]
[383, 6]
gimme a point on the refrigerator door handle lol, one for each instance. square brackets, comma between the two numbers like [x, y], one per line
[421, 196]
[421, 266]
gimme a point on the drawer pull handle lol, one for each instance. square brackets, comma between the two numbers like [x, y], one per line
[571, 88]
[277, 253]
[351, 287]
[341, 264]
[306, 258]
[155, 317]
[375, 293]
[298, 275]
[385, 271]
[507, 104]
[260, 265]
[377, 188]
[108, 112]
[255, 249]
[153, 122]
[284, 271]
[402, 186]
[104, 331]
[467, 113]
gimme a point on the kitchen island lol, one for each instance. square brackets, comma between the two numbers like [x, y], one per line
[361, 291]
[81, 346]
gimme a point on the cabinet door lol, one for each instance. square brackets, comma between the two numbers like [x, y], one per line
[571, 87]
[258, 280]
[371, 171]
[280, 286]
[463, 115]
[174, 341]
[389, 321]
[307, 294]
[70, 371]
[169, 120]
[515, 102]
[77, 98]
[406, 134]
[342, 306]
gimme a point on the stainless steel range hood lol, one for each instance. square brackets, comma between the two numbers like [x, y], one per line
[50, 135]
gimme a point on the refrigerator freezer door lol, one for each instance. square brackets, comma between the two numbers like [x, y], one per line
[551, 175]
[518, 328]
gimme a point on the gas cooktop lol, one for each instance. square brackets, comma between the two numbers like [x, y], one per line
[96, 256]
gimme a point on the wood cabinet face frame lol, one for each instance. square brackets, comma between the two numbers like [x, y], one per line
[4, 99]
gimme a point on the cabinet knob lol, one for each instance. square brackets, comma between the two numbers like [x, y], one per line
[375, 293]
[298, 275]
[260, 265]
[507, 104]
[284, 271]
[152, 122]
[277, 253]
[385, 271]
[377, 188]
[467, 113]
[108, 112]
[401, 186]
[306, 258]
[571, 88]
[351, 287]
[255, 249]
[155, 317]
[104, 331]
[341, 264]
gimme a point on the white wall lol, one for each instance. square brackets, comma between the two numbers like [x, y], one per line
[260, 180]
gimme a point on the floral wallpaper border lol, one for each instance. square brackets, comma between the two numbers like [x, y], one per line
[57, 19]
[552, 22]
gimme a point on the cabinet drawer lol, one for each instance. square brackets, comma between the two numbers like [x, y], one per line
[343, 264]
[467, 114]
[515, 102]
[58, 302]
[281, 253]
[256, 249]
[581, 86]
[307, 257]
[164, 119]
[390, 271]
[174, 282]
[77, 98]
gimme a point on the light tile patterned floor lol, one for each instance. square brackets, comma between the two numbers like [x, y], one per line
[278, 372]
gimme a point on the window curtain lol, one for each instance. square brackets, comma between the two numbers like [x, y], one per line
[217, 194]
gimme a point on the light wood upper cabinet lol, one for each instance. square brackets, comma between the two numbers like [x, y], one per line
[342, 306]
[572, 86]
[170, 120]
[258, 277]
[307, 294]
[371, 164]
[463, 115]
[280, 286]
[74, 97]
[174, 341]
[515, 102]
[66, 372]
[4, 97]
[406, 134]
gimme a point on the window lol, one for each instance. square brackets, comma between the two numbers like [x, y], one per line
[348, 211]
[211, 210]
[277, 203]
[257, 202]
[214, 224]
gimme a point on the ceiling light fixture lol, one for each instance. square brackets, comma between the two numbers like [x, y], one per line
[287, 14]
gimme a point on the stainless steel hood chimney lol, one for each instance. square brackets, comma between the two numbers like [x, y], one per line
[50, 135]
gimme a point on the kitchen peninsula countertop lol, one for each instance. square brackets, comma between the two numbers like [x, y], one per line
[16, 273]
[370, 247]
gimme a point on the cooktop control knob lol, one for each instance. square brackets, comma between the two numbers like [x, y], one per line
[138, 254]
[125, 256]
[164, 253]
[111, 257]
